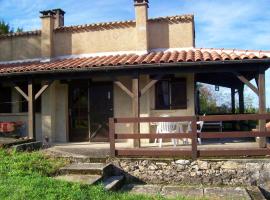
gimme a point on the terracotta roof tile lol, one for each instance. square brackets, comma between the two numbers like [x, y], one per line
[175, 56]
[26, 33]
[127, 23]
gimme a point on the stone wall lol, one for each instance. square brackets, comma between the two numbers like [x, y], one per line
[207, 172]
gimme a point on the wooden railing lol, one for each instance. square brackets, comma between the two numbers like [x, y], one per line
[193, 152]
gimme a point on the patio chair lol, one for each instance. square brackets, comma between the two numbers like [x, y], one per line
[199, 129]
[165, 127]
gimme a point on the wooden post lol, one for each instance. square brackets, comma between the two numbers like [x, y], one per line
[31, 111]
[262, 107]
[136, 107]
[112, 136]
[241, 100]
[233, 106]
[194, 139]
[233, 100]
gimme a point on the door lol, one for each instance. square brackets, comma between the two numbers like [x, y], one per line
[78, 111]
[101, 109]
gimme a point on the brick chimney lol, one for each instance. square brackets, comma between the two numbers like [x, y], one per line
[59, 17]
[141, 14]
[47, 21]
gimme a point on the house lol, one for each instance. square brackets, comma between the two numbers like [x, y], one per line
[65, 82]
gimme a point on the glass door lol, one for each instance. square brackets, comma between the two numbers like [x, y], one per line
[78, 111]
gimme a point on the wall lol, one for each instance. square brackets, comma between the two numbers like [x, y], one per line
[123, 104]
[170, 35]
[161, 34]
[54, 112]
[20, 47]
[104, 40]
[201, 172]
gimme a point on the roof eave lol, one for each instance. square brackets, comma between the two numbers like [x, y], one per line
[264, 62]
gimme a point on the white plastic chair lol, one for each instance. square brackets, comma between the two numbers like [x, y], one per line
[181, 130]
[165, 127]
[199, 129]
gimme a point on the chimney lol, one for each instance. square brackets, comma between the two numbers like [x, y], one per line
[59, 17]
[47, 21]
[141, 14]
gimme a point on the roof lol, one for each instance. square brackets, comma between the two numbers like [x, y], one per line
[171, 19]
[192, 55]
[25, 33]
[115, 24]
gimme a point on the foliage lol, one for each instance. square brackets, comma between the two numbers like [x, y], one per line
[209, 101]
[212, 102]
[6, 28]
[25, 176]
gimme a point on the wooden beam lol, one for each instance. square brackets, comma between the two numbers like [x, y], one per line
[149, 85]
[250, 85]
[112, 136]
[241, 100]
[234, 152]
[233, 100]
[136, 108]
[124, 88]
[21, 92]
[262, 108]
[194, 145]
[154, 152]
[42, 90]
[31, 111]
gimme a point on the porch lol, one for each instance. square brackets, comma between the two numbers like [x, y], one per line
[102, 150]
[77, 104]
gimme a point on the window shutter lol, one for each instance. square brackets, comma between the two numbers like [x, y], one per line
[162, 95]
[179, 94]
[5, 100]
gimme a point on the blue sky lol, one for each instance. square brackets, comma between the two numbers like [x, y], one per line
[219, 23]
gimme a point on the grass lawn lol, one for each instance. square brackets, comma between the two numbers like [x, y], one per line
[26, 176]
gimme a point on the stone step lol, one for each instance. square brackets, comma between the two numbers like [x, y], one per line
[211, 193]
[265, 189]
[78, 178]
[113, 182]
[83, 168]
[255, 193]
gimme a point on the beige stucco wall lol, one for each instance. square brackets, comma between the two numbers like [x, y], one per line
[170, 35]
[104, 40]
[20, 47]
[54, 112]
[123, 104]
[161, 34]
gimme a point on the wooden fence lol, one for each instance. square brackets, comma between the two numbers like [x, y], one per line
[193, 152]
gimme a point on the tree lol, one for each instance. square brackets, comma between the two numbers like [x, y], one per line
[5, 28]
[208, 102]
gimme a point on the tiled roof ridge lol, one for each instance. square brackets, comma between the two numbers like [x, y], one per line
[25, 33]
[124, 22]
[101, 24]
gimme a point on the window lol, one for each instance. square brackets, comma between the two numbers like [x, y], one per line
[171, 94]
[5, 100]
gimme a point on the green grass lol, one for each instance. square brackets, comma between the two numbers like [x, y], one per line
[25, 176]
